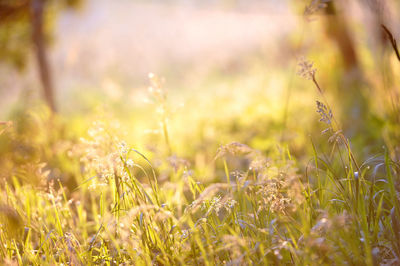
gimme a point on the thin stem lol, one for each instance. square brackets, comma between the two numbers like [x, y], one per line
[290, 84]
[337, 126]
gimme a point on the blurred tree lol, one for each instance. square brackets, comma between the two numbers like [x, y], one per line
[25, 24]
[338, 30]
[352, 82]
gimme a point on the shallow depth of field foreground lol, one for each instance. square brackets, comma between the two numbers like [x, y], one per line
[199, 132]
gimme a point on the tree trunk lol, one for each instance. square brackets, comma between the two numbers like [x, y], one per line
[351, 84]
[338, 30]
[37, 7]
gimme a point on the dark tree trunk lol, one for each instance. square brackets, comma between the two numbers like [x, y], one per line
[351, 84]
[37, 7]
[338, 30]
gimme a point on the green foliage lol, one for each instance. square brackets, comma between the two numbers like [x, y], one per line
[93, 189]
[16, 27]
[89, 198]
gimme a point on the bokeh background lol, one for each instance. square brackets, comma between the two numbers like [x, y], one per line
[228, 67]
[199, 132]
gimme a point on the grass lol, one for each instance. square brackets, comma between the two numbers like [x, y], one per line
[201, 189]
[120, 208]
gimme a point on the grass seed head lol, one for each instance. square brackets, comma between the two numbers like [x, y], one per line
[324, 112]
[314, 7]
[306, 69]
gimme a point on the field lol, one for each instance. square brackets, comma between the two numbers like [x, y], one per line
[281, 155]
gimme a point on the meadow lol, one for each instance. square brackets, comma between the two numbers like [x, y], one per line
[224, 172]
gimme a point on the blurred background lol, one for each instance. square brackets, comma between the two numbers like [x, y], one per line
[228, 67]
[284, 114]
[92, 45]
